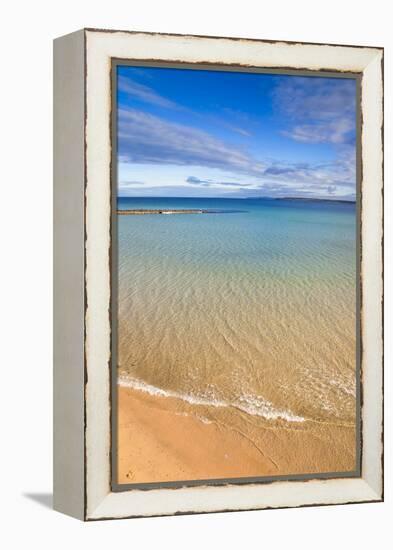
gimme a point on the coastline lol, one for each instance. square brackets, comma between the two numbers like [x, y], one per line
[157, 443]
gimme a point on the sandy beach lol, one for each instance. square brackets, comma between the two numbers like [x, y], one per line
[159, 443]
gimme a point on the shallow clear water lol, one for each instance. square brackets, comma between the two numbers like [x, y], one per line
[252, 310]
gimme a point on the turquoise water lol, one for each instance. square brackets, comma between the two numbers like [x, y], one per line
[252, 308]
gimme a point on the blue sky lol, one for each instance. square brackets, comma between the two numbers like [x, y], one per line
[190, 133]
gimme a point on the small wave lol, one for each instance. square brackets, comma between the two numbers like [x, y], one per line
[252, 405]
[258, 406]
[348, 389]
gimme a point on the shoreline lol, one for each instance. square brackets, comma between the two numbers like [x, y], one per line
[159, 439]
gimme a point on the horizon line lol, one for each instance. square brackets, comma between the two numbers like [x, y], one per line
[238, 198]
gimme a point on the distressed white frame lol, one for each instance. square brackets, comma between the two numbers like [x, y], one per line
[100, 47]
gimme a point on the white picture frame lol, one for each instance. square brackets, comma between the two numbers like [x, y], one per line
[82, 252]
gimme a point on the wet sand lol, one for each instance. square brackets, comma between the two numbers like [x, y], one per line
[157, 443]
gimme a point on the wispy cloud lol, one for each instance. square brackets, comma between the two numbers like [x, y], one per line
[197, 181]
[237, 130]
[146, 138]
[178, 191]
[147, 94]
[277, 169]
[233, 184]
[129, 183]
[337, 132]
[240, 121]
[319, 110]
[144, 93]
[332, 178]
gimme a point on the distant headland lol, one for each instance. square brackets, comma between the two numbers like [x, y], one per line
[312, 199]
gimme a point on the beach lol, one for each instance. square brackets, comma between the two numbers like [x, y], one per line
[236, 340]
[158, 444]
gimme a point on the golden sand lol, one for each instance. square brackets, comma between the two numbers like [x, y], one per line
[158, 444]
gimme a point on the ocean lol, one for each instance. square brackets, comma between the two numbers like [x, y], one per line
[247, 315]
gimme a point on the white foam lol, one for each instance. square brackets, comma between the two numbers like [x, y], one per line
[180, 212]
[258, 406]
[252, 405]
[347, 389]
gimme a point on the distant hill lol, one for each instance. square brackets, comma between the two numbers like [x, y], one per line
[309, 199]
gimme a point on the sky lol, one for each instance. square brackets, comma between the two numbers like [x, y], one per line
[198, 133]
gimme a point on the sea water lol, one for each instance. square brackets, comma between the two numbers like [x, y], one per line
[249, 310]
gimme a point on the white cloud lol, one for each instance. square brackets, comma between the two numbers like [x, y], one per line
[144, 93]
[146, 138]
[319, 110]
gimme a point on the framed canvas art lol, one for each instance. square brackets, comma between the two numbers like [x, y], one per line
[218, 274]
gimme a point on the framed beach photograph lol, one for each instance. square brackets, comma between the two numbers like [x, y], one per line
[218, 274]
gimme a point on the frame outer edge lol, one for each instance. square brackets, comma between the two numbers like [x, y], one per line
[101, 501]
[373, 276]
[68, 294]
